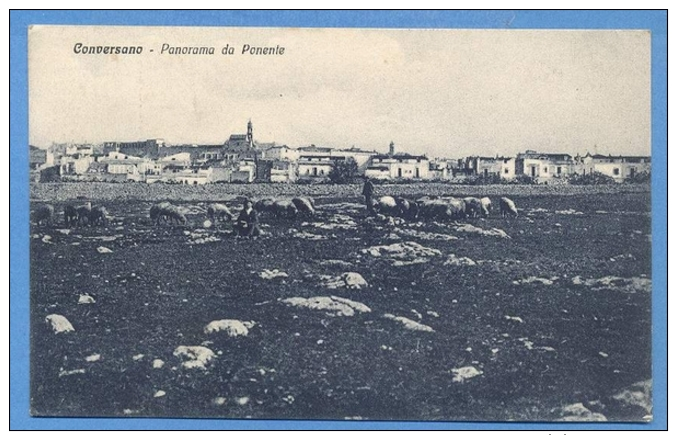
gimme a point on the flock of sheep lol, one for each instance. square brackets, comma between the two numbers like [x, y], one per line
[437, 208]
[441, 207]
[73, 216]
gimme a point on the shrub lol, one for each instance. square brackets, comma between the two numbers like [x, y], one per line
[344, 171]
[640, 178]
[591, 178]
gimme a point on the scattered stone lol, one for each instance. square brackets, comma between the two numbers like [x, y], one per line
[462, 374]
[515, 319]
[234, 328]
[423, 234]
[309, 236]
[349, 280]
[158, 363]
[103, 250]
[138, 357]
[625, 285]
[335, 222]
[242, 400]
[272, 274]
[432, 313]
[59, 323]
[534, 279]
[85, 299]
[220, 401]
[46, 239]
[570, 211]
[194, 357]
[334, 306]
[468, 228]
[64, 231]
[63, 372]
[578, 412]
[402, 254]
[93, 358]
[340, 263]
[409, 324]
[392, 236]
[604, 354]
[159, 393]
[453, 260]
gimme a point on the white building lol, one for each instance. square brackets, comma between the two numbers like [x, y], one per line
[544, 167]
[398, 167]
[281, 152]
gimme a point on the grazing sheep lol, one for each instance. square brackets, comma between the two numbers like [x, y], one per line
[70, 215]
[83, 213]
[174, 214]
[473, 206]
[219, 211]
[98, 215]
[507, 207]
[44, 214]
[265, 205]
[387, 206]
[486, 206]
[284, 209]
[408, 209]
[156, 212]
[442, 209]
[304, 205]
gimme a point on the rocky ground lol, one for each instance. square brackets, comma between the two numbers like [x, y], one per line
[343, 316]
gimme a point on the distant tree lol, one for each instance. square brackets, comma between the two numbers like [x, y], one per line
[591, 178]
[640, 178]
[344, 171]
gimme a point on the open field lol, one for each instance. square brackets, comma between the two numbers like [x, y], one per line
[542, 317]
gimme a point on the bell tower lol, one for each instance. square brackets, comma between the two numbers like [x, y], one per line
[250, 134]
[391, 151]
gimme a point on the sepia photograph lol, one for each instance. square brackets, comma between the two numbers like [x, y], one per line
[340, 223]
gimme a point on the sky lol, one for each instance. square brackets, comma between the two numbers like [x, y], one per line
[443, 93]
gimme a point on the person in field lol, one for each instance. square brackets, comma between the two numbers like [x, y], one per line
[368, 192]
[247, 224]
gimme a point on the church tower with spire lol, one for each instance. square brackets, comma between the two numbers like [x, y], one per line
[250, 134]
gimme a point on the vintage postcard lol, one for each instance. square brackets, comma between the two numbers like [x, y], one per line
[340, 224]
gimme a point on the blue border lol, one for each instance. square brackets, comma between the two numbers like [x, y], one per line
[656, 21]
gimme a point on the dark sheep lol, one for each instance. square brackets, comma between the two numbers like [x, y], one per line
[98, 216]
[473, 206]
[408, 209]
[83, 213]
[156, 212]
[285, 209]
[70, 215]
[44, 214]
[266, 205]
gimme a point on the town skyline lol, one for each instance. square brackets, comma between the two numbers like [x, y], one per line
[442, 93]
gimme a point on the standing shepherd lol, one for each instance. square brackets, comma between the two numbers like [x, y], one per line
[368, 191]
[247, 224]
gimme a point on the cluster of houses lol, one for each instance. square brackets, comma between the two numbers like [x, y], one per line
[242, 160]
